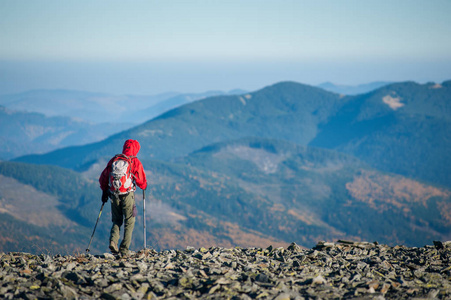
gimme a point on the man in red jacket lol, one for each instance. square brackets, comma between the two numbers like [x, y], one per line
[117, 182]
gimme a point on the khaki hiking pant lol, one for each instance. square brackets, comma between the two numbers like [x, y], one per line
[123, 210]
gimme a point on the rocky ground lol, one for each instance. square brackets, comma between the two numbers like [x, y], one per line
[328, 271]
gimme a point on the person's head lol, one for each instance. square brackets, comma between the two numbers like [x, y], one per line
[131, 148]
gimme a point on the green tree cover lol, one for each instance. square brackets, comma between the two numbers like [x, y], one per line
[79, 200]
[73, 191]
[16, 235]
[412, 140]
[309, 181]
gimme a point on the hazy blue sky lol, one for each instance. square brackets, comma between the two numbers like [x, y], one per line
[148, 47]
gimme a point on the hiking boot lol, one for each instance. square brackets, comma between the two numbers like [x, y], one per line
[113, 248]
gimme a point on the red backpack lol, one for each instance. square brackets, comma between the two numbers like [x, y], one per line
[121, 177]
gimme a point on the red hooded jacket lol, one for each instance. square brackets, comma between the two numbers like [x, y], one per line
[131, 148]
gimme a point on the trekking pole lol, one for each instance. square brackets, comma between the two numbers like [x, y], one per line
[87, 249]
[144, 217]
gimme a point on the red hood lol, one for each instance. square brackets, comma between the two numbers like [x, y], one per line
[131, 148]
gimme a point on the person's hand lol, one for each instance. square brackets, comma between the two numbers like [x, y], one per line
[105, 196]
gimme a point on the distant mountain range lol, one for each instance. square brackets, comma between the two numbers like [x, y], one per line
[289, 162]
[44, 120]
[287, 110]
[100, 107]
[23, 133]
[401, 128]
[53, 119]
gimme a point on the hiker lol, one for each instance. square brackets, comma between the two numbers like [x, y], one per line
[117, 182]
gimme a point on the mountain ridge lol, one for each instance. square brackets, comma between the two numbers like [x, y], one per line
[219, 118]
[41, 121]
[353, 89]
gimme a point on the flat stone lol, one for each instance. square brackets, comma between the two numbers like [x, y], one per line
[318, 280]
